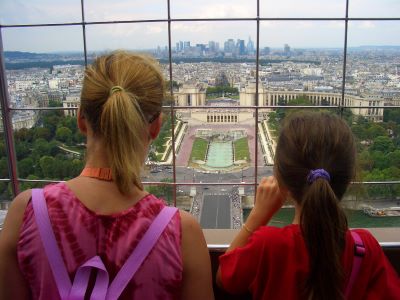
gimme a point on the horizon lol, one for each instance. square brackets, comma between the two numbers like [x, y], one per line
[323, 33]
[275, 48]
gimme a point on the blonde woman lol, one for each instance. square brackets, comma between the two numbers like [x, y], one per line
[104, 213]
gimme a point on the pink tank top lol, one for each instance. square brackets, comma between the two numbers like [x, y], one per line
[82, 234]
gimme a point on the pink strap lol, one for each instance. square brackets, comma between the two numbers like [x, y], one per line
[101, 290]
[359, 252]
[141, 252]
[56, 262]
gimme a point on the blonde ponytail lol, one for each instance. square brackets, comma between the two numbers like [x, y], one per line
[120, 93]
[122, 127]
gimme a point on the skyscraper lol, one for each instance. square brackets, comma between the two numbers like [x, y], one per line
[211, 46]
[250, 46]
[240, 48]
[286, 49]
[229, 46]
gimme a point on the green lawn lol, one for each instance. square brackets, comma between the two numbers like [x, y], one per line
[242, 149]
[199, 149]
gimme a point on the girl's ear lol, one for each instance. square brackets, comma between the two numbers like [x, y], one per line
[81, 122]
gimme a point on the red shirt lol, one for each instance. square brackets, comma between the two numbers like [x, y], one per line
[274, 265]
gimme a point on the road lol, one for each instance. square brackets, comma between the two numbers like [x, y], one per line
[188, 175]
[216, 212]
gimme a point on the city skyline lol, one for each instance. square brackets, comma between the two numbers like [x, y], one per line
[142, 35]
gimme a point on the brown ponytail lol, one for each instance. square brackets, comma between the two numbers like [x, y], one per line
[120, 116]
[324, 225]
[310, 141]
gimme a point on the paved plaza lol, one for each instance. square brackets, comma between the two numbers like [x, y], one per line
[182, 158]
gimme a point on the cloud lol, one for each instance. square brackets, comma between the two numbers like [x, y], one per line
[336, 24]
[225, 11]
[366, 25]
[146, 35]
[26, 12]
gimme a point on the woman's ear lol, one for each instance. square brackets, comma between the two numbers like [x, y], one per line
[81, 122]
[155, 127]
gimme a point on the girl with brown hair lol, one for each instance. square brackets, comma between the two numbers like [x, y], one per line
[100, 218]
[313, 257]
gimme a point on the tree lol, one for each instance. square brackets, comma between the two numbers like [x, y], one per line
[359, 131]
[394, 158]
[47, 166]
[79, 138]
[31, 185]
[365, 160]
[175, 85]
[3, 168]
[300, 101]
[53, 148]
[162, 191]
[40, 148]
[375, 130]
[59, 170]
[383, 144]
[23, 135]
[391, 173]
[3, 151]
[51, 120]
[77, 166]
[42, 133]
[22, 149]
[64, 134]
[391, 115]
[55, 103]
[380, 160]
[25, 167]
[70, 122]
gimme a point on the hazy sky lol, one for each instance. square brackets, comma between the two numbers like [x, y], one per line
[298, 34]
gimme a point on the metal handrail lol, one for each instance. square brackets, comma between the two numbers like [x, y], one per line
[169, 20]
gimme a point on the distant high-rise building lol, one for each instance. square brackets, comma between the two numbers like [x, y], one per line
[186, 44]
[217, 46]
[286, 49]
[229, 46]
[265, 51]
[240, 48]
[177, 47]
[250, 46]
[211, 46]
[180, 46]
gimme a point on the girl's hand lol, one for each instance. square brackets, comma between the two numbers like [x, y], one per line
[269, 199]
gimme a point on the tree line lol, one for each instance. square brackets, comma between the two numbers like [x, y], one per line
[38, 150]
[378, 146]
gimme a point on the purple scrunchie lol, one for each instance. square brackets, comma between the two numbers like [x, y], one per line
[318, 173]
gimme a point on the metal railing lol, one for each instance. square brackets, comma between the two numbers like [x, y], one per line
[6, 109]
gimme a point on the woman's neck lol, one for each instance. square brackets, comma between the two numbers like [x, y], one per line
[96, 156]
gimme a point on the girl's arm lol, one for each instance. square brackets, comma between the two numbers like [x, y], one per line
[197, 279]
[12, 283]
[269, 199]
